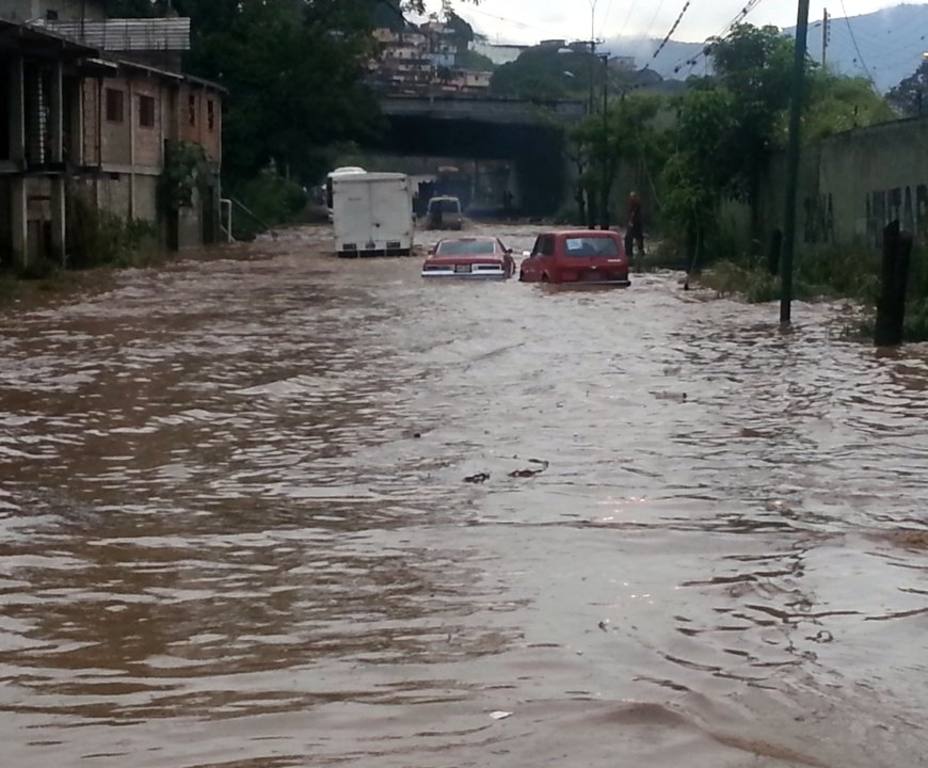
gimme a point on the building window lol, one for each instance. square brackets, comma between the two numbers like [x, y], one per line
[51, 15]
[192, 109]
[210, 114]
[114, 105]
[146, 111]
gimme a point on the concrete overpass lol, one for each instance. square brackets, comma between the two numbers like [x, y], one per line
[482, 109]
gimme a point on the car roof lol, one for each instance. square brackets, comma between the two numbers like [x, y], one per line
[475, 238]
[445, 198]
[582, 233]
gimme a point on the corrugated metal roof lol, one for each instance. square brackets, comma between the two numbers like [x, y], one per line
[126, 34]
[16, 35]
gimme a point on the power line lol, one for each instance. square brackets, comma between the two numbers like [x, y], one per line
[508, 21]
[673, 29]
[605, 21]
[860, 56]
[628, 17]
[738, 19]
[657, 13]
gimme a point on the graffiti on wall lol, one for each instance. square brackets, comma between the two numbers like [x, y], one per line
[819, 219]
[902, 203]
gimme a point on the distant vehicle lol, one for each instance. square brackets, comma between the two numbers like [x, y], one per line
[348, 170]
[373, 214]
[445, 213]
[470, 257]
[577, 256]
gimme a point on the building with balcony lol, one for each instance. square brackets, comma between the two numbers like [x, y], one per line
[82, 125]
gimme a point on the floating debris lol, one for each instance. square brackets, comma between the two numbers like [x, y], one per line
[480, 477]
[531, 472]
[500, 715]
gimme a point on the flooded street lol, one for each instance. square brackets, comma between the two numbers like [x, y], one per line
[235, 529]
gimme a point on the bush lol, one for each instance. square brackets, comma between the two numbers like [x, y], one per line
[755, 285]
[97, 237]
[840, 271]
[272, 199]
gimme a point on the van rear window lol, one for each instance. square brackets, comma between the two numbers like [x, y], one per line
[587, 247]
[437, 205]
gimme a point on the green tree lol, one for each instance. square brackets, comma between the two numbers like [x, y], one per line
[910, 97]
[473, 60]
[699, 171]
[626, 135]
[754, 66]
[293, 71]
[835, 104]
[546, 72]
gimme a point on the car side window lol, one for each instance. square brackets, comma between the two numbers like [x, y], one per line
[536, 249]
[547, 245]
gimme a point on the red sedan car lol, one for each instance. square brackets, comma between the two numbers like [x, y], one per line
[470, 257]
[577, 256]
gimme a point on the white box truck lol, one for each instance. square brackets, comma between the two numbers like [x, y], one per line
[373, 214]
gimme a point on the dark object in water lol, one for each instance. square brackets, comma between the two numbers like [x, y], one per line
[480, 477]
[530, 472]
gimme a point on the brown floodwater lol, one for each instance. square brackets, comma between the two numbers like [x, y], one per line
[235, 529]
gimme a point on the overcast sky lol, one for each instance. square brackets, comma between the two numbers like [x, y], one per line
[527, 21]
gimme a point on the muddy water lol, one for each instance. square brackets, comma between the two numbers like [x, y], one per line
[235, 531]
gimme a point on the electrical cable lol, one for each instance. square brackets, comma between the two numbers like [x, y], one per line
[860, 56]
[738, 19]
[628, 17]
[673, 29]
[605, 21]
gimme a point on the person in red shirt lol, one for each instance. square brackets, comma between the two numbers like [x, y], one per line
[634, 230]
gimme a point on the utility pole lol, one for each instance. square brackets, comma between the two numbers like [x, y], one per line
[792, 161]
[826, 39]
[592, 73]
[592, 53]
[604, 213]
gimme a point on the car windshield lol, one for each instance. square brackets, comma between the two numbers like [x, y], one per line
[465, 248]
[591, 247]
[444, 206]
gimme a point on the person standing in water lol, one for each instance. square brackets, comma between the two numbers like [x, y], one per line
[634, 230]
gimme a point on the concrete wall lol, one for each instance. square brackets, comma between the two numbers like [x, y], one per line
[146, 198]
[5, 229]
[113, 194]
[871, 176]
[853, 184]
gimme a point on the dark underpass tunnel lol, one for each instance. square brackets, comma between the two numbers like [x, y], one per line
[536, 151]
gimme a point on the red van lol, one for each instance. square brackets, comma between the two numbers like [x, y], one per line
[577, 256]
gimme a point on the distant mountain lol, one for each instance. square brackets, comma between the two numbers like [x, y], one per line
[891, 44]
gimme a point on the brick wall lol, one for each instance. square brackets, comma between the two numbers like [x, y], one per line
[212, 140]
[91, 122]
[116, 133]
[200, 118]
[148, 141]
